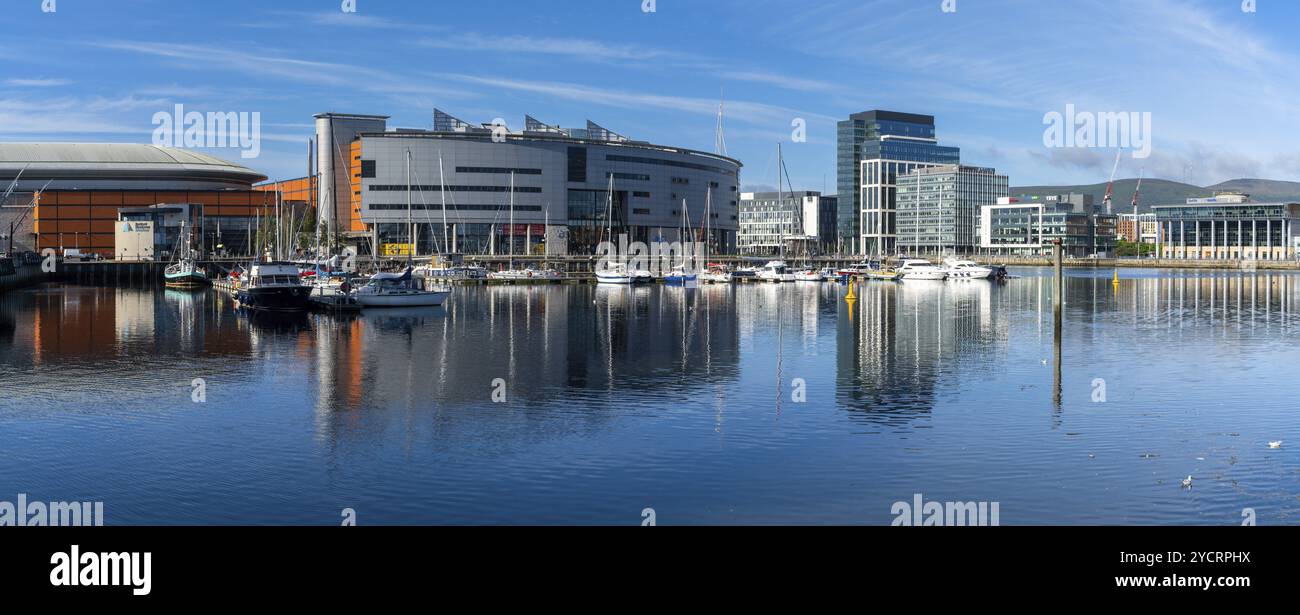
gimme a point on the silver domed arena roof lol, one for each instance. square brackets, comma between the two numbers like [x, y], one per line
[119, 166]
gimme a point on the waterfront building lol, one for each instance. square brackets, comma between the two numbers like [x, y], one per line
[939, 207]
[875, 149]
[828, 225]
[1028, 226]
[87, 185]
[796, 219]
[1141, 228]
[560, 179]
[1228, 226]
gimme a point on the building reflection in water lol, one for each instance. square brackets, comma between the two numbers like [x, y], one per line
[586, 348]
[909, 340]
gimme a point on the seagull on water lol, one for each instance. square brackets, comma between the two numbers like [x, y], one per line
[1277, 444]
[1187, 482]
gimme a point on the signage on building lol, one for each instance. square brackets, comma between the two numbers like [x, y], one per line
[395, 249]
[133, 241]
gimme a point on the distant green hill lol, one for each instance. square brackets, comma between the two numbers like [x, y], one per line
[1154, 192]
[1263, 189]
[1165, 192]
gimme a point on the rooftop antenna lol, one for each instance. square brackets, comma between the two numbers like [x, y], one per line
[720, 138]
[1110, 188]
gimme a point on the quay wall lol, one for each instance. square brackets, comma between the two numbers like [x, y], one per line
[1143, 263]
[23, 276]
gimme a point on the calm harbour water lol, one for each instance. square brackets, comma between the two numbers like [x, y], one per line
[679, 400]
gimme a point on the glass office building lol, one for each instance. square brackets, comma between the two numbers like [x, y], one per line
[1228, 226]
[794, 221]
[939, 208]
[1030, 226]
[874, 149]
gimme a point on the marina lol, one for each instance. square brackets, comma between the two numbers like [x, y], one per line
[619, 397]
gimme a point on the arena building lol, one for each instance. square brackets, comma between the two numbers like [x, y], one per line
[558, 179]
[69, 195]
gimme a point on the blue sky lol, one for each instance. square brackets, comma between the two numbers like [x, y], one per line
[1219, 82]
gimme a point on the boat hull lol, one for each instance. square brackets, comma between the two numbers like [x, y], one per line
[276, 298]
[411, 299]
[883, 276]
[613, 279]
[970, 274]
[186, 280]
[925, 275]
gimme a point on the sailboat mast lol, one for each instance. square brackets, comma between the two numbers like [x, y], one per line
[512, 219]
[410, 221]
[780, 203]
[442, 189]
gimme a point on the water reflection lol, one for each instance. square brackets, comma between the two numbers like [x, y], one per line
[682, 393]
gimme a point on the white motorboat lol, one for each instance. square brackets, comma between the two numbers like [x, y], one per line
[807, 275]
[959, 269]
[399, 290]
[526, 274]
[920, 269]
[775, 271]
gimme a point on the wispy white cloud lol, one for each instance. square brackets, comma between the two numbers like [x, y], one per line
[277, 65]
[583, 49]
[71, 115]
[746, 111]
[37, 83]
[638, 56]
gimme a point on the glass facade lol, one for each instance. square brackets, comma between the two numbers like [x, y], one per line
[938, 208]
[874, 148]
[1227, 230]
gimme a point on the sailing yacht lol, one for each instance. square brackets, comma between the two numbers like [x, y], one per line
[400, 290]
[185, 272]
[681, 273]
[714, 273]
[613, 272]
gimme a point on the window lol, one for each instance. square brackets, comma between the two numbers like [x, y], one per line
[577, 164]
[641, 195]
[629, 176]
[437, 188]
[642, 211]
[499, 170]
[367, 168]
[681, 180]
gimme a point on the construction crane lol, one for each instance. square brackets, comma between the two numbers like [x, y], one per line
[1110, 188]
[1137, 191]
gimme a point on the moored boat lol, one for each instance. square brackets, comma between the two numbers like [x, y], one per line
[920, 269]
[958, 269]
[274, 287]
[399, 290]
